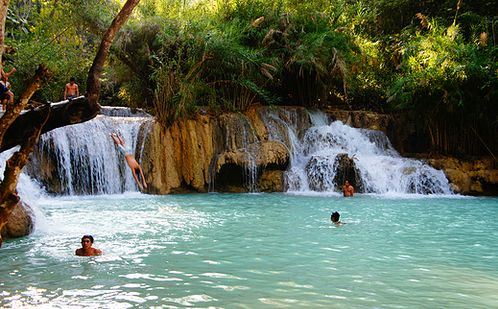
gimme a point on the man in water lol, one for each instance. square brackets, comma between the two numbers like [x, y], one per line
[71, 91]
[86, 247]
[136, 169]
[347, 189]
[334, 217]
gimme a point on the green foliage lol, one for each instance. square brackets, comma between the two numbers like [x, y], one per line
[61, 34]
[242, 53]
[440, 71]
[175, 56]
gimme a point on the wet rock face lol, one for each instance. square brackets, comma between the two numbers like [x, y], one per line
[272, 181]
[327, 174]
[320, 174]
[345, 169]
[247, 169]
[361, 119]
[228, 153]
[20, 222]
[477, 177]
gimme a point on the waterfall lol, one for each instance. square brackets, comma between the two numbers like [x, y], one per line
[381, 168]
[239, 135]
[82, 158]
[28, 189]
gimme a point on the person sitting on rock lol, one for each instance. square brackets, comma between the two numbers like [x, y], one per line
[6, 95]
[136, 169]
[86, 247]
[347, 189]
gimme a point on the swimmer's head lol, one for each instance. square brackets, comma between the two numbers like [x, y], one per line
[86, 239]
[335, 217]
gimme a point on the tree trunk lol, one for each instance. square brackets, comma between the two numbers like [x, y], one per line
[13, 110]
[8, 194]
[63, 113]
[4, 5]
[93, 81]
[13, 168]
[30, 125]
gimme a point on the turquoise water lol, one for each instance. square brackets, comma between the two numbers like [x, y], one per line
[257, 251]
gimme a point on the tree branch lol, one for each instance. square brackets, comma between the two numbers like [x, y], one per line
[13, 110]
[13, 168]
[93, 81]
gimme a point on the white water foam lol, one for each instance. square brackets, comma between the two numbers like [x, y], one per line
[84, 159]
[382, 169]
[28, 189]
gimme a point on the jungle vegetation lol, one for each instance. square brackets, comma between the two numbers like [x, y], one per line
[435, 60]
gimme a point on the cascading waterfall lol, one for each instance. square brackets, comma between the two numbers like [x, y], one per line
[382, 169]
[82, 158]
[240, 134]
[286, 131]
[28, 189]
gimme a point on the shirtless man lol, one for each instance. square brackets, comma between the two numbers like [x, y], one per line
[71, 91]
[86, 247]
[6, 95]
[136, 169]
[347, 189]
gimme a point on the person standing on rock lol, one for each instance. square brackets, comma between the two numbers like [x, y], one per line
[347, 189]
[71, 90]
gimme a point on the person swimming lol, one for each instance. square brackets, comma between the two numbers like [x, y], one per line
[334, 217]
[86, 247]
[136, 169]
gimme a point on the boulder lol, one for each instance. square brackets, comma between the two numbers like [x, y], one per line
[20, 222]
[345, 169]
[329, 174]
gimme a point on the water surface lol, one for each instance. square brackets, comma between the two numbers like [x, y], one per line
[257, 250]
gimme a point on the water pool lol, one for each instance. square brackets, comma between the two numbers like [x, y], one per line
[257, 250]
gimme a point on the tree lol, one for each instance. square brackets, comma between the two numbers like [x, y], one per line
[80, 110]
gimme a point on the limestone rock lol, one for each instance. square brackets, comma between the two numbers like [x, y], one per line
[20, 222]
[477, 177]
[272, 181]
[362, 119]
[236, 169]
[345, 169]
[208, 152]
[326, 174]
[261, 155]
[177, 159]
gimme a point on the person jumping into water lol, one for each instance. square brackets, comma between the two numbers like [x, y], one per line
[130, 159]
